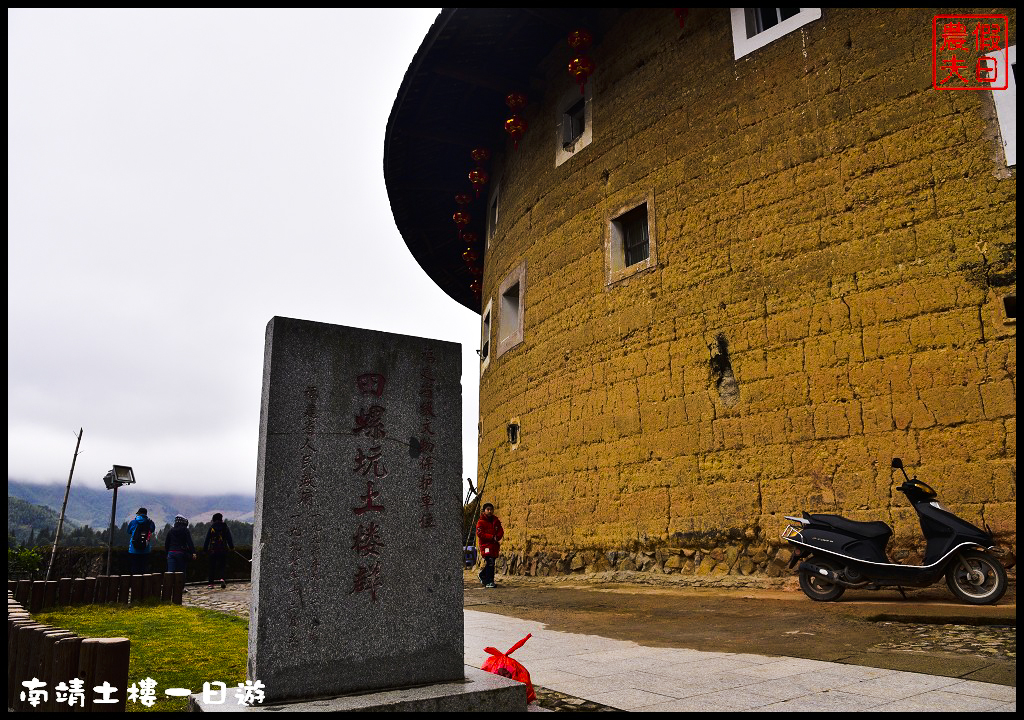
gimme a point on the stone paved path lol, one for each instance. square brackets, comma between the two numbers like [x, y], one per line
[234, 600]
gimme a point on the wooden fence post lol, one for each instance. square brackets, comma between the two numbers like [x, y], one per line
[64, 586]
[50, 594]
[124, 589]
[90, 591]
[103, 662]
[35, 596]
[101, 589]
[78, 591]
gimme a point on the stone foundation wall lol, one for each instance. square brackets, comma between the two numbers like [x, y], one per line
[738, 553]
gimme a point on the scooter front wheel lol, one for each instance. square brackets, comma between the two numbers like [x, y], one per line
[976, 577]
[816, 587]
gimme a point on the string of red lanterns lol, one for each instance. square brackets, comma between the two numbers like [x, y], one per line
[478, 177]
[581, 66]
[515, 126]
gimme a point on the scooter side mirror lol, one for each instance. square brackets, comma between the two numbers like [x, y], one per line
[898, 464]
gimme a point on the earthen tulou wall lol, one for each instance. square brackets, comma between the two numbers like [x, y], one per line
[832, 241]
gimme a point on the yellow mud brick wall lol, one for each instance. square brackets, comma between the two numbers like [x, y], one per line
[829, 226]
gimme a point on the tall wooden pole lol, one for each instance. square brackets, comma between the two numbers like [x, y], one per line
[64, 507]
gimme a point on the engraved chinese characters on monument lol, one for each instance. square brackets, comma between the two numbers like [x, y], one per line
[357, 581]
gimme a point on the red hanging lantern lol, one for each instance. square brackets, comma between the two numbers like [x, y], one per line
[480, 155]
[470, 256]
[581, 68]
[580, 39]
[479, 177]
[469, 237]
[463, 199]
[515, 101]
[475, 271]
[476, 286]
[515, 126]
[461, 219]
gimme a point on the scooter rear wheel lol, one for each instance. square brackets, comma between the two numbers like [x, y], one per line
[817, 587]
[976, 577]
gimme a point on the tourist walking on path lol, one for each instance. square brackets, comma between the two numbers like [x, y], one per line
[140, 541]
[489, 533]
[218, 542]
[179, 546]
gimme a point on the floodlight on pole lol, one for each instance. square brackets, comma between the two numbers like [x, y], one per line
[115, 478]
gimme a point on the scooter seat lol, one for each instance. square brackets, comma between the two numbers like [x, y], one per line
[869, 530]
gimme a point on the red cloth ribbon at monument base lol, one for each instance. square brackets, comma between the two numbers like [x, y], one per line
[501, 664]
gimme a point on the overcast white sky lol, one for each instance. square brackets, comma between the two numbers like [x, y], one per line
[175, 179]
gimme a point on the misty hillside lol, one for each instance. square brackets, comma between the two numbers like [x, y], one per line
[91, 506]
[25, 519]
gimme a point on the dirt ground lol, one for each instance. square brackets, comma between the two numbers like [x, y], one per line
[928, 632]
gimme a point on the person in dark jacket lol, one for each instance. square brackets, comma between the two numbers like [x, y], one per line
[218, 542]
[140, 541]
[179, 546]
[489, 534]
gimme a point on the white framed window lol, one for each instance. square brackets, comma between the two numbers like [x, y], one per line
[631, 241]
[511, 296]
[1006, 106]
[492, 216]
[485, 338]
[574, 122]
[753, 28]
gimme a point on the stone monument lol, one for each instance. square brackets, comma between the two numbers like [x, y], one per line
[357, 560]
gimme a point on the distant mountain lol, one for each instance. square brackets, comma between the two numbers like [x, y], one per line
[91, 506]
[25, 519]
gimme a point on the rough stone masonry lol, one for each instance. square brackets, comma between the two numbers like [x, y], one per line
[357, 580]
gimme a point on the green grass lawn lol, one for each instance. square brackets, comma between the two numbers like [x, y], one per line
[176, 646]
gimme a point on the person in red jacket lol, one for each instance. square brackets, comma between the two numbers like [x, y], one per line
[489, 533]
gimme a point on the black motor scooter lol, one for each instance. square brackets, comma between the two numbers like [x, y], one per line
[840, 553]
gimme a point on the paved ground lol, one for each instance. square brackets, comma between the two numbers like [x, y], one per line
[602, 645]
[623, 675]
[929, 632]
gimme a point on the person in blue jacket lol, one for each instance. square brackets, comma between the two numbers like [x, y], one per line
[140, 541]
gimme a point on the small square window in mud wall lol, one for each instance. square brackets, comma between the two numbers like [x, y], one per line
[1006, 103]
[511, 295]
[485, 338]
[1010, 309]
[753, 28]
[631, 241]
[574, 123]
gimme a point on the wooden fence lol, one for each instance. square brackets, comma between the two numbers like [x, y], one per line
[39, 595]
[53, 670]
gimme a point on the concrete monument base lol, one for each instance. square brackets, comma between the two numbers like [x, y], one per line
[479, 692]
